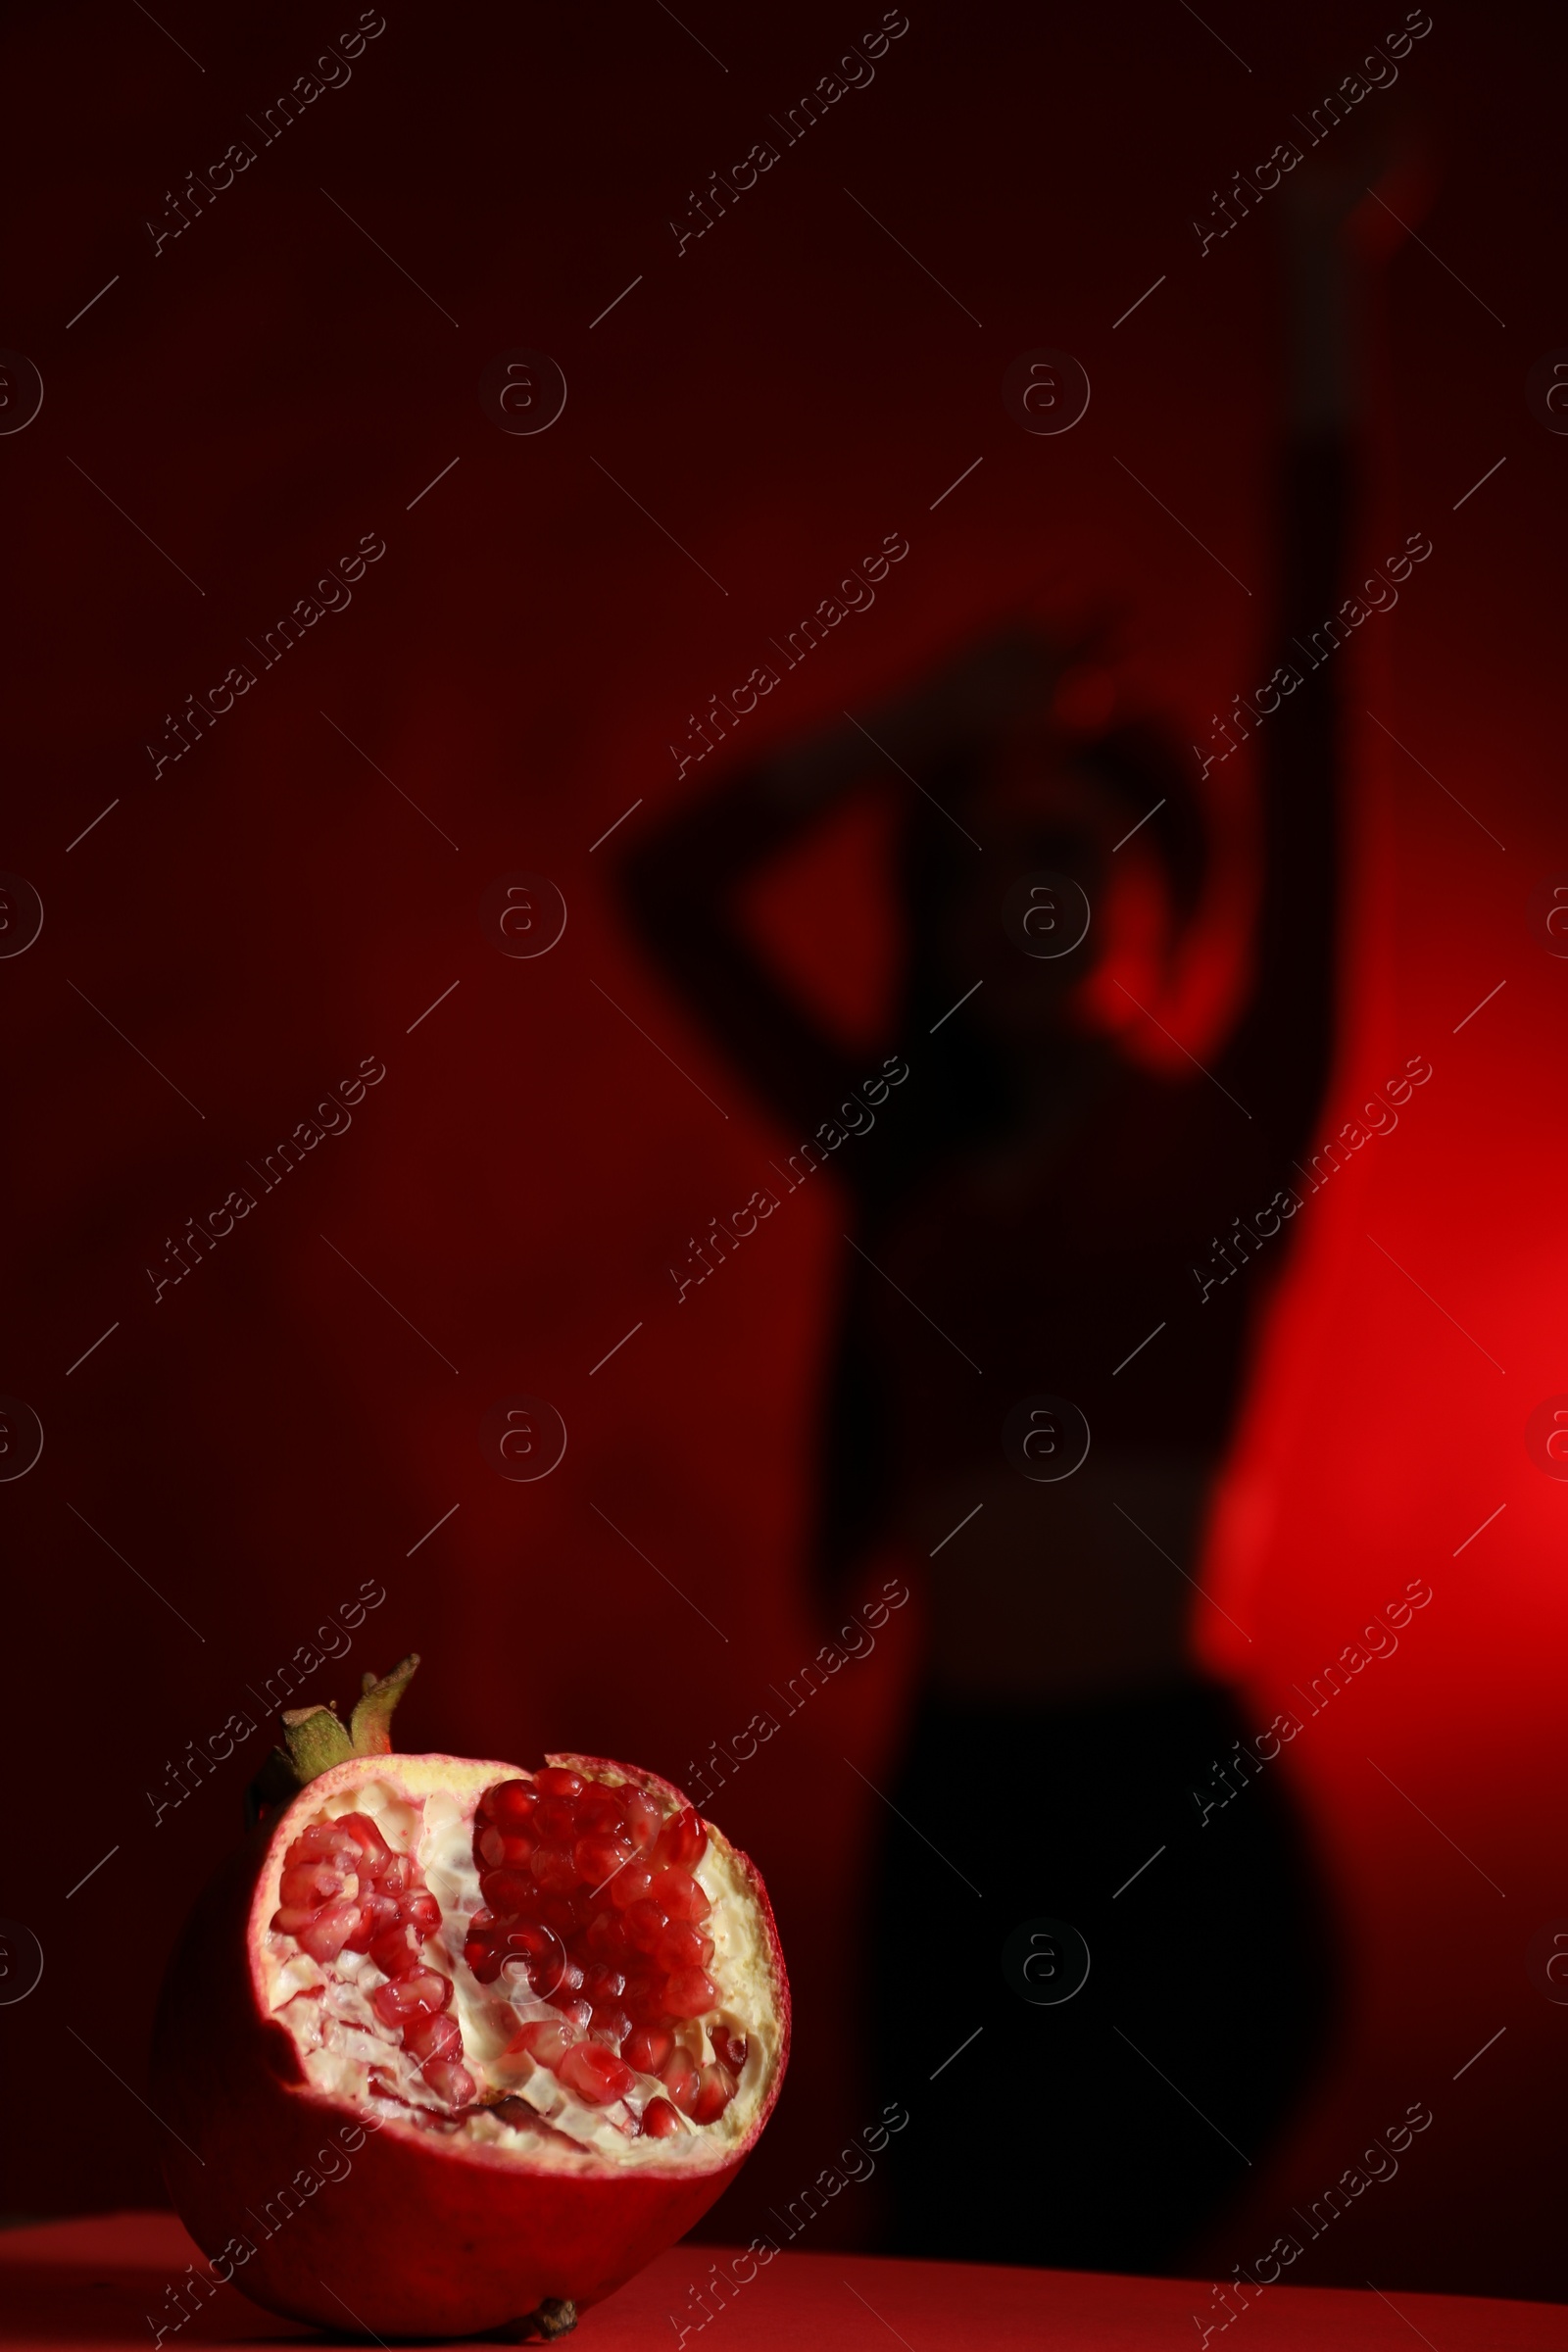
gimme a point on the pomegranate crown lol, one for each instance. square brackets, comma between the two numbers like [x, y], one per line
[315, 1739]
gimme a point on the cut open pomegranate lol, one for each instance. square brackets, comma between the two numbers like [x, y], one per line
[551, 2005]
[534, 1949]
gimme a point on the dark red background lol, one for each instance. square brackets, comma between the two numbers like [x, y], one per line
[269, 911]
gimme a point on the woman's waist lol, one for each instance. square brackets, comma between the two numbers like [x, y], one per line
[1054, 1586]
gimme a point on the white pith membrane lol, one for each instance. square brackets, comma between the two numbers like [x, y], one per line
[519, 2105]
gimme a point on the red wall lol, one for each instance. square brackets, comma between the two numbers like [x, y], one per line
[269, 386]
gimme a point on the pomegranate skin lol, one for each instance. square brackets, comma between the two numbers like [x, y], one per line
[397, 2230]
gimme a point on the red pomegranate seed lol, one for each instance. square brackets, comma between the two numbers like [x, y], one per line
[432, 2034]
[323, 1840]
[537, 1960]
[647, 2048]
[401, 1999]
[556, 1823]
[289, 1922]
[511, 1804]
[557, 1781]
[366, 1929]
[599, 1811]
[507, 1892]
[309, 1884]
[611, 2025]
[731, 2049]
[554, 1868]
[329, 1931]
[643, 1819]
[691, 1992]
[545, 2042]
[574, 2011]
[598, 1858]
[557, 1979]
[681, 1947]
[682, 2082]
[677, 1892]
[596, 2074]
[500, 1848]
[449, 2081]
[645, 2002]
[684, 1840]
[424, 1914]
[531, 1941]
[559, 1913]
[393, 1952]
[645, 1925]
[661, 2121]
[602, 1941]
[366, 1836]
[602, 1984]
[629, 1885]
[714, 2093]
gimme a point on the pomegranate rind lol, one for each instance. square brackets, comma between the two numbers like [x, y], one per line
[394, 2229]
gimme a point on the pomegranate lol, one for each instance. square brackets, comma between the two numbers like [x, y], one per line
[453, 2046]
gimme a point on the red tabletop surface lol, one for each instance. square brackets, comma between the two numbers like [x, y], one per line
[95, 2281]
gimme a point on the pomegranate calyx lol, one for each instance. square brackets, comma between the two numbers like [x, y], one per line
[315, 1739]
[370, 1724]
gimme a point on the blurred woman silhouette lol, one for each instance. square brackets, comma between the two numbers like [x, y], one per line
[1027, 1216]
